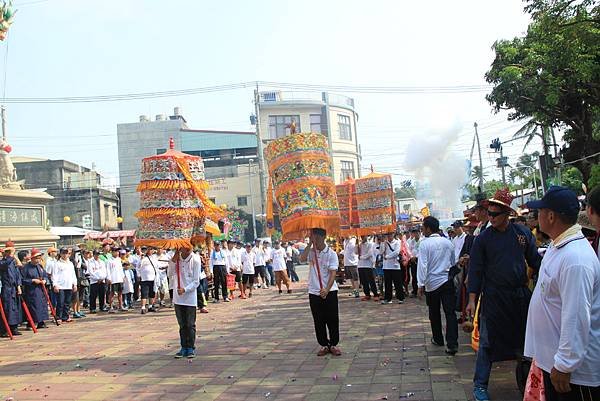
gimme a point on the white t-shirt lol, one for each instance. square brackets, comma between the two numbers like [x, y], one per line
[563, 323]
[259, 256]
[96, 269]
[268, 254]
[189, 274]
[234, 259]
[458, 242]
[115, 271]
[350, 255]
[63, 275]
[278, 256]
[390, 250]
[248, 262]
[367, 255]
[328, 264]
[147, 269]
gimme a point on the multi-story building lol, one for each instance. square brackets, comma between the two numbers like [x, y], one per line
[329, 114]
[230, 161]
[79, 197]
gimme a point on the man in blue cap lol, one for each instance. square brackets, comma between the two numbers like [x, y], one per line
[563, 324]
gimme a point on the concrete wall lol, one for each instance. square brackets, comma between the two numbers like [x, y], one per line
[136, 141]
[226, 190]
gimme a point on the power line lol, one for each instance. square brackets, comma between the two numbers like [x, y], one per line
[248, 84]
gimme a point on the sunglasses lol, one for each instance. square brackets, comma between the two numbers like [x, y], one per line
[496, 214]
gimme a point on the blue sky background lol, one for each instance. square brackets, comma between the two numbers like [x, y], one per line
[91, 47]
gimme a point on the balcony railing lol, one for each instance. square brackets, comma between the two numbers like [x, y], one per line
[305, 97]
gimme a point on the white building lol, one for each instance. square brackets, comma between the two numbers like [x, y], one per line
[329, 114]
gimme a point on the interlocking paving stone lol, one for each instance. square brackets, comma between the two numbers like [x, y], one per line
[257, 349]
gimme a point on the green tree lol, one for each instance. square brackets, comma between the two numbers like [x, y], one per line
[405, 190]
[572, 179]
[475, 175]
[552, 74]
[594, 179]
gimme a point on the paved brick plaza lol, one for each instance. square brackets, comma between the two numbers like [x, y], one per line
[257, 349]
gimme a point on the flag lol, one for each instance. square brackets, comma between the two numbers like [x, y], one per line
[425, 211]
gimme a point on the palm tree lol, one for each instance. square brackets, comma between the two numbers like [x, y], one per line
[533, 128]
[475, 175]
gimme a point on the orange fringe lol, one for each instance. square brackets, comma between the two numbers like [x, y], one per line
[149, 213]
[171, 184]
[165, 243]
[331, 224]
[212, 210]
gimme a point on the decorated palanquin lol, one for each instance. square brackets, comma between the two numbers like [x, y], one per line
[346, 194]
[375, 204]
[300, 169]
[367, 205]
[174, 209]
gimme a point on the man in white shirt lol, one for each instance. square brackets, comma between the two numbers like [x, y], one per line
[323, 291]
[64, 282]
[269, 262]
[96, 269]
[289, 261]
[147, 275]
[459, 239]
[436, 256]
[135, 259]
[218, 268]
[260, 263]
[413, 247]
[365, 251]
[184, 271]
[234, 264]
[248, 270]
[115, 280]
[392, 273]
[351, 264]
[48, 266]
[162, 281]
[563, 323]
[279, 267]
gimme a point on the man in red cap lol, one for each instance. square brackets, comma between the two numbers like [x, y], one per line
[11, 289]
[34, 278]
[498, 271]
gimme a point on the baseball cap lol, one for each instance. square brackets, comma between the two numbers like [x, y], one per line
[457, 223]
[558, 199]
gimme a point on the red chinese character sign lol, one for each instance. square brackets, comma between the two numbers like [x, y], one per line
[300, 168]
[173, 202]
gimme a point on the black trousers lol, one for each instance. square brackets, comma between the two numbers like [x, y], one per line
[220, 280]
[326, 317]
[291, 270]
[577, 393]
[260, 271]
[186, 318]
[393, 277]
[367, 279]
[63, 304]
[96, 292]
[443, 297]
[413, 274]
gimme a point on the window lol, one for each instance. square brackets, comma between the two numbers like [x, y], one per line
[279, 125]
[242, 200]
[315, 123]
[160, 151]
[347, 170]
[345, 128]
[106, 213]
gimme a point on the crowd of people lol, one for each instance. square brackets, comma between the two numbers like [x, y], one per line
[483, 267]
[114, 279]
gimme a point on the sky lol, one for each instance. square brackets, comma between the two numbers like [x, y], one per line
[59, 48]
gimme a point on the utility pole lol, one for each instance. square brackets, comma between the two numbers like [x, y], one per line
[252, 197]
[3, 112]
[259, 148]
[480, 160]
